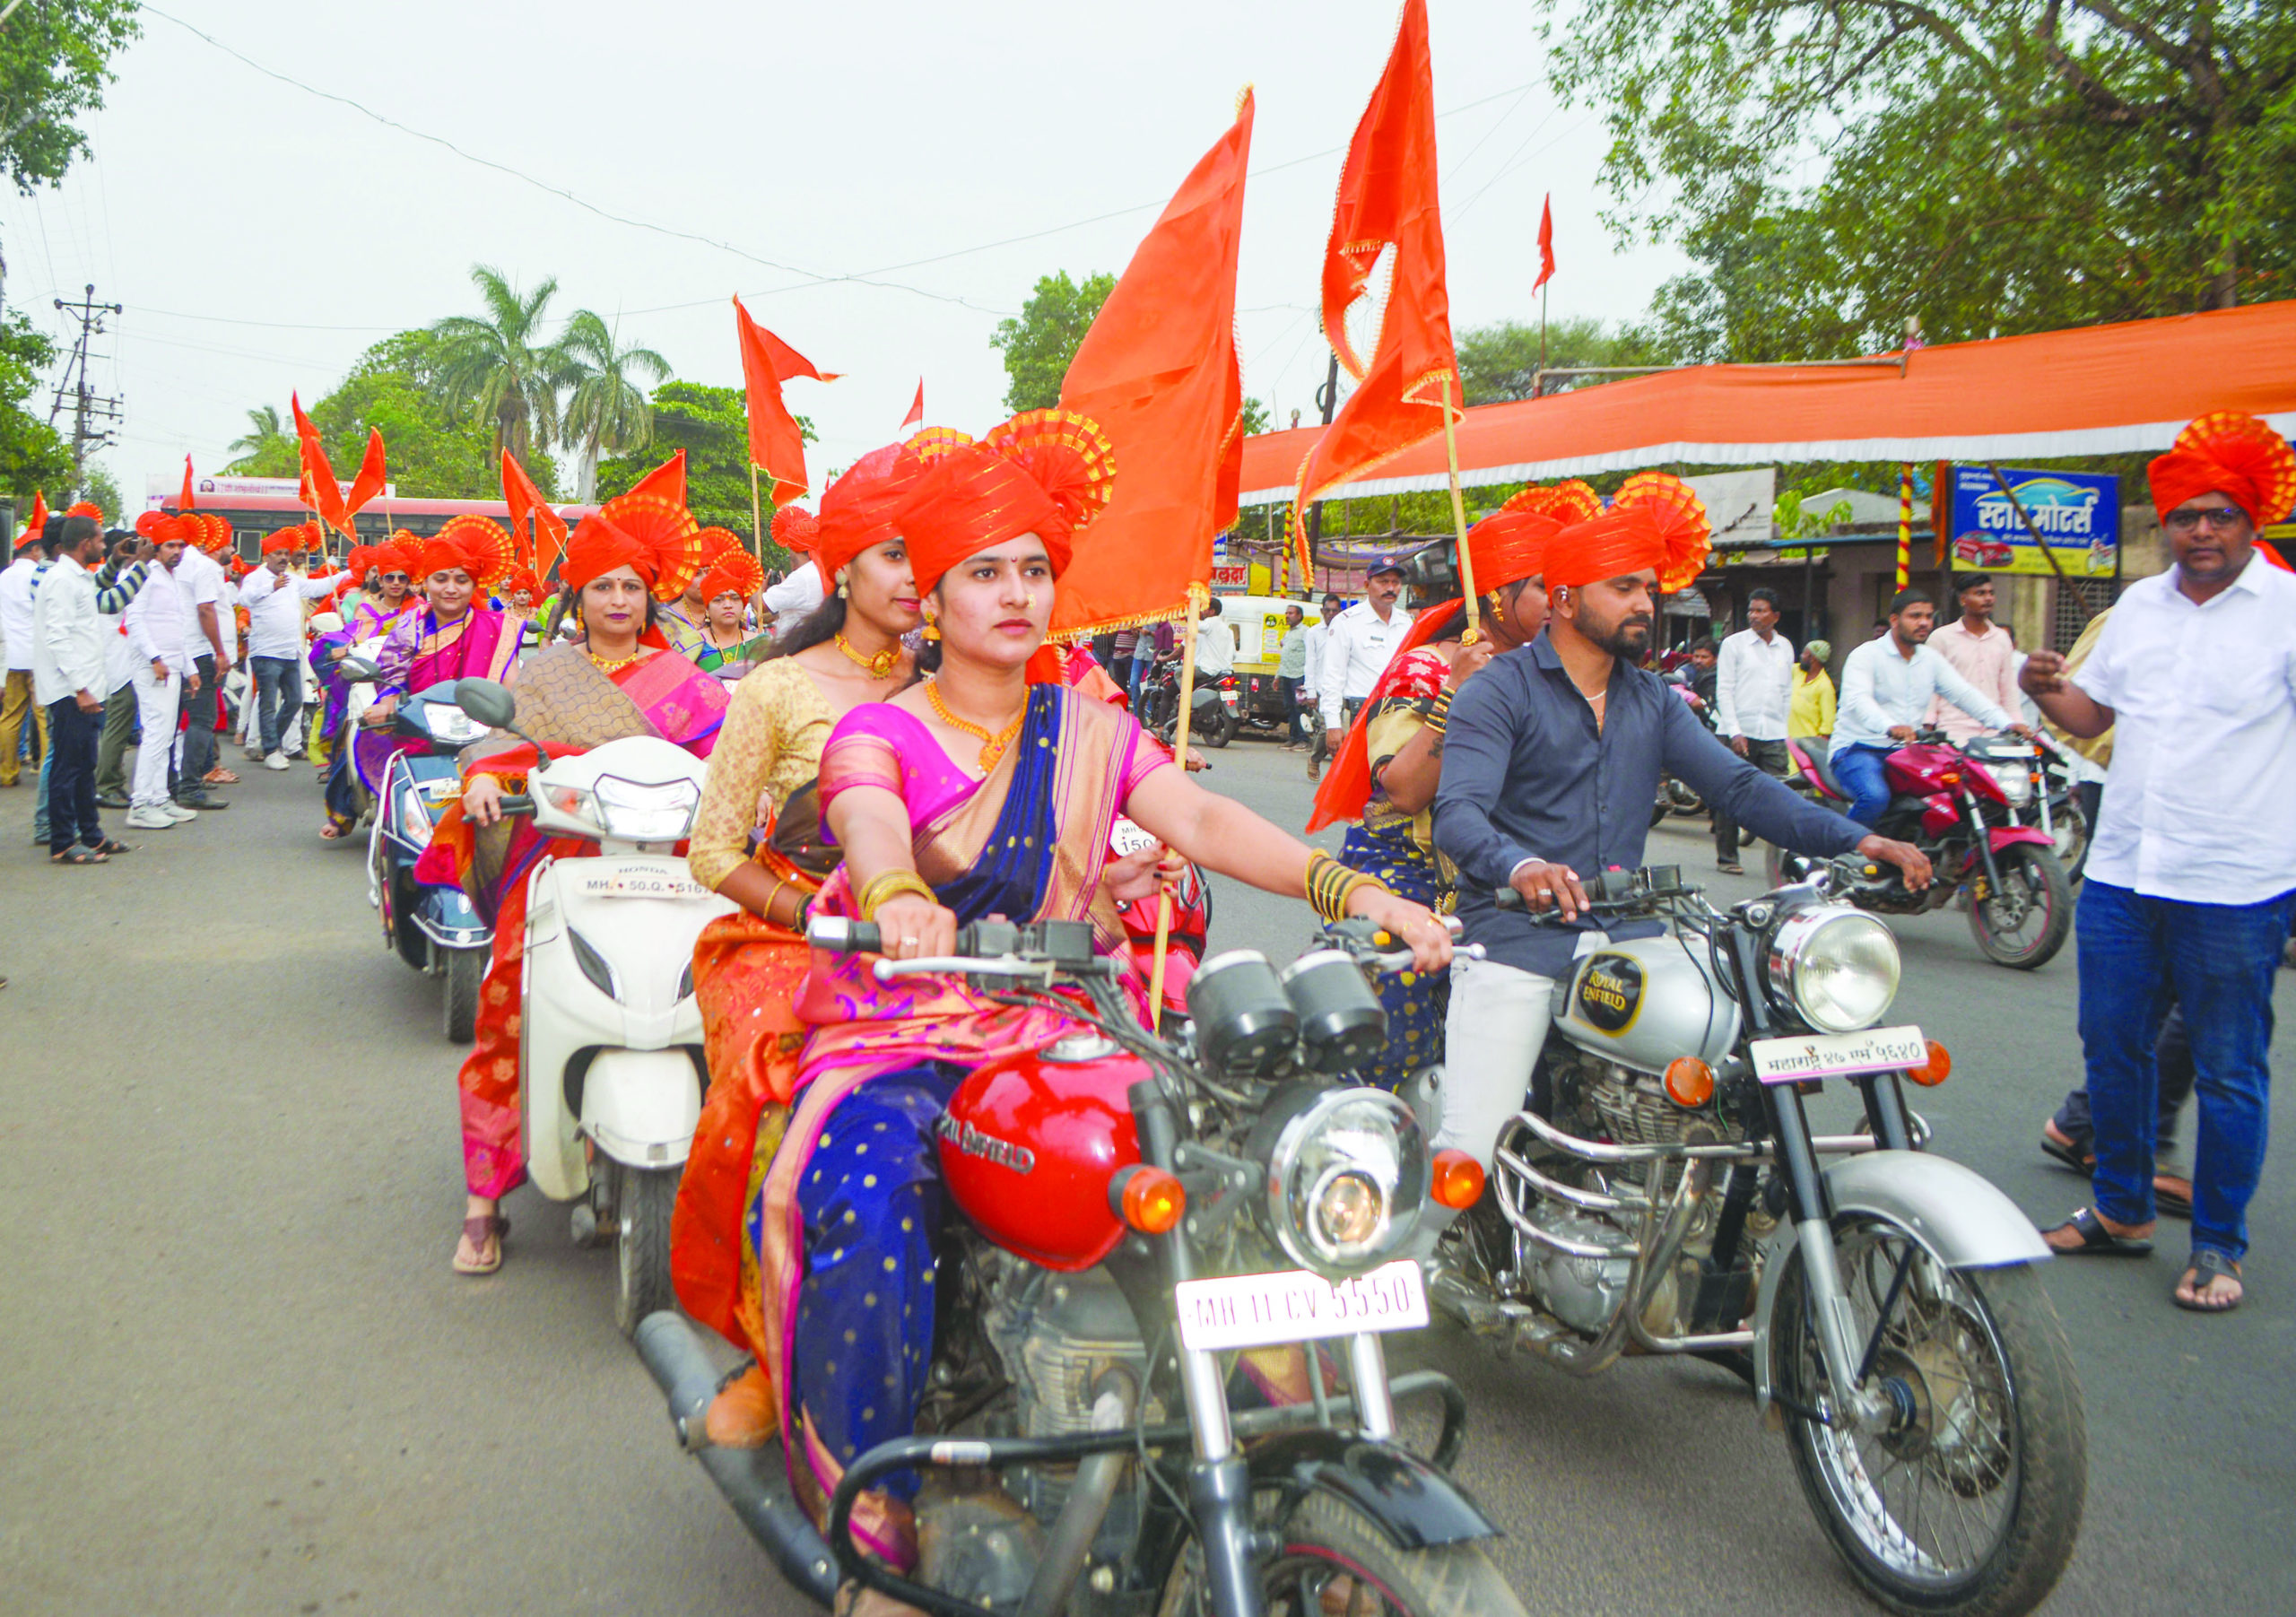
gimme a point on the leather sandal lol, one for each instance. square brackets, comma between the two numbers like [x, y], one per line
[478, 1229]
[2096, 1240]
[2208, 1264]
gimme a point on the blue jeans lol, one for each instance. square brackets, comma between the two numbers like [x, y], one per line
[279, 698]
[2137, 955]
[1858, 768]
[1291, 689]
[1143, 666]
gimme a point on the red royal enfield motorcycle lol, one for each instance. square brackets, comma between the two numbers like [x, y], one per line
[1130, 1213]
[1951, 805]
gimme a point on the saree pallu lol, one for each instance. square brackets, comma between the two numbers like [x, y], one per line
[845, 1218]
[569, 706]
[362, 622]
[419, 655]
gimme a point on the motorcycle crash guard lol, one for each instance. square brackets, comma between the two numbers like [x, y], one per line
[641, 1105]
[1416, 1506]
[1961, 1218]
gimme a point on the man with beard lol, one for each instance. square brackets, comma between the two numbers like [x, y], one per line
[1552, 756]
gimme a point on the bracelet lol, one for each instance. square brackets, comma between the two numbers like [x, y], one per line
[890, 884]
[1331, 884]
[1439, 716]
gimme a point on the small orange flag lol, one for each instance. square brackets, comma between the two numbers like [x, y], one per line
[777, 443]
[370, 479]
[183, 500]
[540, 531]
[667, 481]
[1386, 199]
[1158, 371]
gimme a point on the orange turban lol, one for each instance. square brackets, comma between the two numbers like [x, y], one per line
[1655, 522]
[1510, 544]
[650, 534]
[477, 545]
[285, 539]
[736, 572]
[1045, 472]
[796, 529]
[856, 509]
[2233, 455]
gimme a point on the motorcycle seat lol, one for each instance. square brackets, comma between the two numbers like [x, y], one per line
[1824, 768]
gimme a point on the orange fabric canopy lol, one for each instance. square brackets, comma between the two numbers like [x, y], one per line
[2094, 390]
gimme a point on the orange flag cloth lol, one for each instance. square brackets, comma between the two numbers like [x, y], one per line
[665, 482]
[1386, 199]
[777, 443]
[370, 479]
[183, 500]
[539, 531]
[1158, 372]
[320, 491]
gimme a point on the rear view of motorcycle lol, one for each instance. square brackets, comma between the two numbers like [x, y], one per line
[1134, 1217]
[1666, 1194]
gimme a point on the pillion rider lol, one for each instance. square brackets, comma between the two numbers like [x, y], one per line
[1551, 756]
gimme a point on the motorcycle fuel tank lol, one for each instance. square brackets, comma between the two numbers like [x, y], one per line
[1644, 1001]
[1028, 1145]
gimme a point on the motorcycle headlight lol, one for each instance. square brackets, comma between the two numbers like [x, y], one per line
[1348, 1172]
[645, 813]
[2015, 780]
[414, 808]
[1836, 967]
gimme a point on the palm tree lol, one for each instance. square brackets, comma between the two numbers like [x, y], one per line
[607, 413]
[496, 366]
[267, 449]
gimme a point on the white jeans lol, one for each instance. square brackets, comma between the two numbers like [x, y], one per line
[156, 706]
[1497, 1025]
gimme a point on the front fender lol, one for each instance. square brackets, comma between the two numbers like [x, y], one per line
[1413, 1504]
[2008, 835]
[1961, 1218]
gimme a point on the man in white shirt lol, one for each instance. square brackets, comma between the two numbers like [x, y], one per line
[1886, 686]
[67, 673]
[1311, 683]
[159, 624]
[795, 597]
[16, 631]
[1363, 638]
[201, 578]
[1754, 691]
[274, 602]
[2192, 874]
[1215, 643]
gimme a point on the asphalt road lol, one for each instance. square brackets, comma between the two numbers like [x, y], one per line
[237, 1375]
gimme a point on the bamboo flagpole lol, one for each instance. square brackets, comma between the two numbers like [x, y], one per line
[1197, 596]
[757, 518]
[1459, 518]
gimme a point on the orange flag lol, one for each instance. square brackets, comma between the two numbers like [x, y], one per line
[1158, 371]
[38, 518]
[371, 476]
[183, 500]
[666, 480]
[915, 416]
[777, 443]
[326, 494]
[1386, 199]
[540, 531]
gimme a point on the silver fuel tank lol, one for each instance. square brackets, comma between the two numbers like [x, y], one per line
[1644, 1002]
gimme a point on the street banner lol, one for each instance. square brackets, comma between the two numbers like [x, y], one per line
[2076, 513]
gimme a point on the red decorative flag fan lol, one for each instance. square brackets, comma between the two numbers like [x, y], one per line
[718, 541]
[1067, 455]
[795, 530]
[668, 532]
[488, 544]
[1681, 520]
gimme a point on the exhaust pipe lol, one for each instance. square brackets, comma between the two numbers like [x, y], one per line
[760, 1499]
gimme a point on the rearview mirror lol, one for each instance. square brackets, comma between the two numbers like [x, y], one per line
[358, 669]
[486, 701]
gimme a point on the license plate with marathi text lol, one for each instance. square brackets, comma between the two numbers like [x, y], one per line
[1261, 1311]
[1833, 1054]
[654, 882]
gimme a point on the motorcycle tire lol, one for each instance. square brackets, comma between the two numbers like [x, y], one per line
[2073, 835]
[1220, 728]
[2039, 881]
[1333, 1558]
[466, 970]
[2030, 1405]
[643, 1200]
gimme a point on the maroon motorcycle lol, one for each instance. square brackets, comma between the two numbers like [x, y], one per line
[1951, 806]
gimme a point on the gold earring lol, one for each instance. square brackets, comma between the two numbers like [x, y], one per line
[931, 628]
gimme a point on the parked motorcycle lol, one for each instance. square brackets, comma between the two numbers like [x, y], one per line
[1213, 705]
[1949, 803]
[1128, 1212]
[1666, 1194]
[611, 1068]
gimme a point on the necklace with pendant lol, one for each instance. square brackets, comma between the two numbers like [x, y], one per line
[877, 667]
[993, 742]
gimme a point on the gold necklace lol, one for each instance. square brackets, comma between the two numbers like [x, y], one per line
[877, 667]
[993, 743]
[610, 666]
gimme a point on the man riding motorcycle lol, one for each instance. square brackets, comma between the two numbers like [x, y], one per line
[1552, 756]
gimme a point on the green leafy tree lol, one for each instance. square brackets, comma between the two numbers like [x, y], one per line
[606, 411]
[32, 454]
[54, 61]
[1500, 361]
[435, 451]
[1038, 345]
[101, 489]
[267, 448]
[1984, 166]
[496, 366]
[1255, 418]
[711, 425]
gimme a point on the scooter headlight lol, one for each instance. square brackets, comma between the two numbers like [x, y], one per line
[645, 813]
[1835, 967]
[1348, 1172]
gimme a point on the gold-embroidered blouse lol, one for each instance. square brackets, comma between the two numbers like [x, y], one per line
[770, 747]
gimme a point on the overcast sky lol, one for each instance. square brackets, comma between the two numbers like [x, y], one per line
[260, 236]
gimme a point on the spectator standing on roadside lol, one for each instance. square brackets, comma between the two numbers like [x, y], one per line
[1215, 643]
[201, 579]
[1981, 651]
[67, 671]
[2192, 874]
[1290, 670]
[1754, 691]
[1319, 638]
[274, 602]
[1809, 723]
[129, 556]
[1120, 658]
[18, 710]
[160, 626]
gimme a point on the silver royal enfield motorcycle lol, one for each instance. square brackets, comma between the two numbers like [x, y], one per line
[1665, 1193]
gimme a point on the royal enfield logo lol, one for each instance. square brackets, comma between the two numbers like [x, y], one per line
[1610, 991]
[970, 1141]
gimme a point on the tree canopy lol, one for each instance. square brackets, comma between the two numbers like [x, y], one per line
[711, 425]
[1984, 166]
[32, 454]
[1038, 345]
[1500, 361]
[54, 61]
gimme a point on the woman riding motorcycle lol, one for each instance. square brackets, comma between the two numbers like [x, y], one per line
[988, 789]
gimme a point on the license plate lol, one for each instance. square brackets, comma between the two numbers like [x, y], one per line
[1262, 1310]
[654, 884]
[442, 789]
[1831, 1054]
[1127, 838]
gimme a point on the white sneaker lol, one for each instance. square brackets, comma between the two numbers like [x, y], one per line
[151, 820]
[277, 761]
[178, 812]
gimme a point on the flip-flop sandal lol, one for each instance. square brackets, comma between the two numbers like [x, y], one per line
[2207, 1264]
[220, 776]
[79, 856]
[2070, 1156]
[2173, 1203]
[477, 1229]
[2096, 1240]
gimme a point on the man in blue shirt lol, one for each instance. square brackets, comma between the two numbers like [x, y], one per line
[1551, 755]
[1886, 687]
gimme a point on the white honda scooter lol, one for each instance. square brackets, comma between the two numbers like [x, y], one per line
[610, 1071]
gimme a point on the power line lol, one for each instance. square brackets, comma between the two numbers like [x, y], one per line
[86, 408]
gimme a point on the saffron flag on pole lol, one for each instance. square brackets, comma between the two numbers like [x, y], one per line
[320, 491]
[1158, 372]
[777, 443]
[1546, 242]
[539, 531]
[370, 479]
[915, 416]
[1386, 208]
[666, 480]
[183, 500]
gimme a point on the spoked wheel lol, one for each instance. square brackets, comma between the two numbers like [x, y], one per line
[1970, 1504]
[2070, 826]
[1334, 1562]
[2024, 922]
[644, 1198]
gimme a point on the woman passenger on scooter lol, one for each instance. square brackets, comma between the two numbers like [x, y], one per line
[1384, 777]
[384, 593]
[618, 680]
[986, 790]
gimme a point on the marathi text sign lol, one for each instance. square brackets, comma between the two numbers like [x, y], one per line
[2076, 514]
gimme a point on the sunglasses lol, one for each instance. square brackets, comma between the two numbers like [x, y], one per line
[394, 577]
[2222, 518]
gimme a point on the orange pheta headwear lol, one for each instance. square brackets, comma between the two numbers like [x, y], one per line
[1655, 522]
[856, 509]
[478, 545]
[796, 529]
[1510, 544]
[2233, 455]
[654, 535]
[736, 572]
[1045, 472]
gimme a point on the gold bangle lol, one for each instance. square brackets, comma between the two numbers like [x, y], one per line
[1439, 716]
[890, 884]
[1331, 884]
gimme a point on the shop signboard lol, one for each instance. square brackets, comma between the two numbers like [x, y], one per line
[2077, 515]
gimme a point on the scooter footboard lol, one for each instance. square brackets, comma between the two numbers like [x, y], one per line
[642, 1106]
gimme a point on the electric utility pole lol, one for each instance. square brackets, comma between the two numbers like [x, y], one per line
[87, 409]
